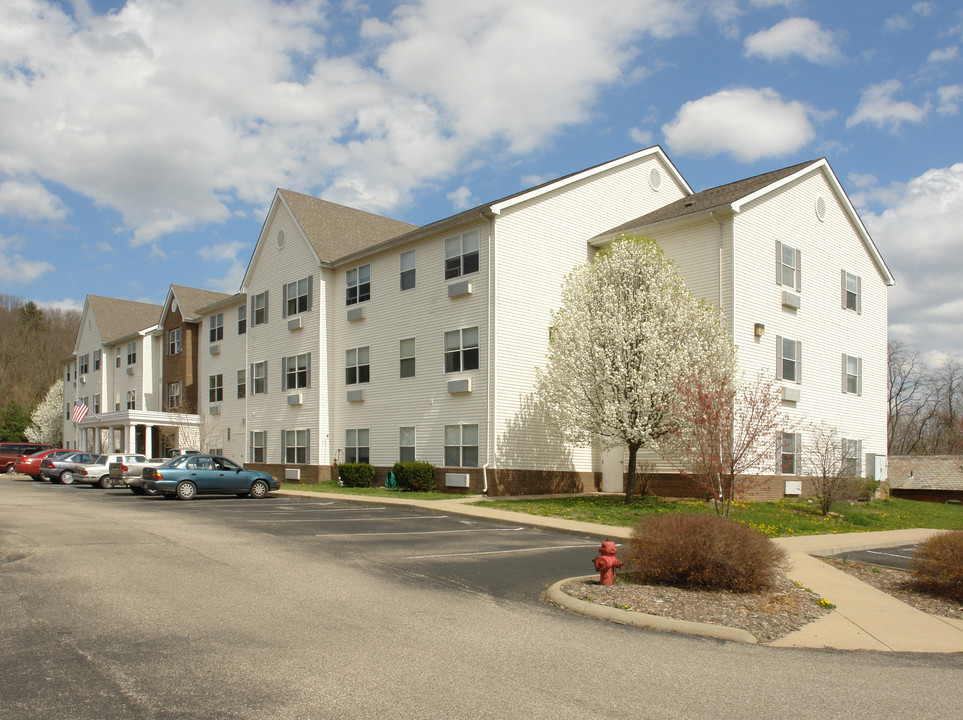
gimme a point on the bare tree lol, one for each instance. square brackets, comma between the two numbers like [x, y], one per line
[829, 466]
[729, 432]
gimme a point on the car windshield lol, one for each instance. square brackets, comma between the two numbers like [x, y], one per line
[74, 457]
[101, 460]
[176, 461]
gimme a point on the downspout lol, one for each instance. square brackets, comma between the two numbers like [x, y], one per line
[490, 401]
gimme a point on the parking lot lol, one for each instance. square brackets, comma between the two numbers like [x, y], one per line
[896, 557]
[504, 561]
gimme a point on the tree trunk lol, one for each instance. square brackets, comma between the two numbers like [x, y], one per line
[630, 479]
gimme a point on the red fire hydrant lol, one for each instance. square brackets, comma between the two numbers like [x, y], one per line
[606, 562]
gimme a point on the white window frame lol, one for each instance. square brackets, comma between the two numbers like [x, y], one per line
[788, 266]
[297, 296]
[458, 439]
[407, 363]
[96, 404]
[296, 371]
[850, 454]
[406, 443]
[259, 378]
[357, 365]
[295, 446]
[217, 327]
[852, 375]
[354, 450]
[241, 384]
[357, 283]
[408, 263]
[175, 394]
[131, 399]
[174, 341]
[259, 309]
[258, 446]
[132, 353]
[216, 388]
[851, 289]
[794, 357]
[96, 360]
[790, 447]
[462, 254]
[242, 319]
[83, 364]
[461, 350]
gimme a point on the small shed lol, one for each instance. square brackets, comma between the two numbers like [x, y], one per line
[933, 478]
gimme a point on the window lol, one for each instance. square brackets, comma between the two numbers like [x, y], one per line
[296, 371]
[358, 285]
[294, 445]
[852, 375]
[174, 393]
[356, 446]
[96, 360]
[84, 364]
[217, 327]
[241, 385]
[96, 406]
[297, 296]
[259, 308]
[851, 451]
[461, 446]
[117, 358]
[242, 320]
[259, 378]
[257, 446]
[408, 259]
[461, 254]
[356, 367]
[406, 444]
[131, 399]
[851, 292]
[216, 388]
[131, 353]
[174, 341]
[407, 353]
[789, 454]
[461, 350]
[788, 359]
[788, 266]
[68, 373]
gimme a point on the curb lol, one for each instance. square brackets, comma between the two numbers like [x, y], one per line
[644, 620]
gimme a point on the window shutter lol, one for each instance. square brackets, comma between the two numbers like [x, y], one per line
[265, 377]
[779, 357]
[266, 306]
[252, 311]
[844, 372]
[250, 381]
[799, 361]
[859, 457]
[250, 447]
[284, 301]
[309, 360]
[843, 283]
[859, 376]
[799, 271]
[859, 296]
[284, 372]
[284, 447]
[798, 457]
[778, 263]
[310, 291]
[307, 445]
[779, 443]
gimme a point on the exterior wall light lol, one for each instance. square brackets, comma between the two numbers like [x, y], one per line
[760, 330]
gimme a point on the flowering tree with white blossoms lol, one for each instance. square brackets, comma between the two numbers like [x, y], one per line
[627, 332]
[46, 421]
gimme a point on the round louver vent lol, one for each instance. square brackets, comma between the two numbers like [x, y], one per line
[280, 239]
[655, 178]
[820, 208]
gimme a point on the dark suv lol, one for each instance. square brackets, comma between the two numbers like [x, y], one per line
[10, 450]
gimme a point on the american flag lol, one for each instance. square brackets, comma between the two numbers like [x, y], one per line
[79, 413]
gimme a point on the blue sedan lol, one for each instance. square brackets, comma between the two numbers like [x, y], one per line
[192, 475]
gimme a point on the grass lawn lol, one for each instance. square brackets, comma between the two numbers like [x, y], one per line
[331, 486]
[775, 519]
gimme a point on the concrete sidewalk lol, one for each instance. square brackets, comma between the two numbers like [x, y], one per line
[864, 619]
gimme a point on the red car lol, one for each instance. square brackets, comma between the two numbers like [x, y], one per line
[30, 464]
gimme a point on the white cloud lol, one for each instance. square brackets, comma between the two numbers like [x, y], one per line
[16, 269]
[748, 124]
[920, 235]
[944, 55]
[796, 36]
[175, 115]
[30, 200]
[461, 198]
[896, 23]
[231, 259]
[642, 138]
[878, 106]
[65, 305]
[950, 97]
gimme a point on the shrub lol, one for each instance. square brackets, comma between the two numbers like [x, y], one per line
[703, 551]
[356, 474]
[938, 565]
[415, 476]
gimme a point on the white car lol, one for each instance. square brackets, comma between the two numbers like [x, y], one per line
[99, 472]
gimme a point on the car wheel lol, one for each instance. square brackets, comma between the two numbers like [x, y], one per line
[185, 490]
[67, 477]
[9, 470]
[43, 476]
[36, 478]
[259, 489]
[105, 482]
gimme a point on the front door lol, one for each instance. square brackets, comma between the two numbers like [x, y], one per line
[613, 470]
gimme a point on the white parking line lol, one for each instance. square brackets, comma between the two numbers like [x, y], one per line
[498, 552]
[421, 532]
[896, 555]
[356, 519]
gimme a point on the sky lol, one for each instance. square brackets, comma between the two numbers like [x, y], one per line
[141, 143]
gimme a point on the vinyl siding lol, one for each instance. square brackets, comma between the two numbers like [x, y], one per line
[230, 359]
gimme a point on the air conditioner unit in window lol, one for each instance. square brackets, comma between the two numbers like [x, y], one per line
[296, 399]
[215, 410]
[83, 379]
[215, 349]
[294, 323]
[130, 370]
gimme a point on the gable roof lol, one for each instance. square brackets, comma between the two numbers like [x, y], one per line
[190, 301]
[337, 230]
[734, 195]
[118, 319]
[925, 472]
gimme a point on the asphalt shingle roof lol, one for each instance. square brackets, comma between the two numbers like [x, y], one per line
[118, 319]
[190, 300]
[925, 472]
